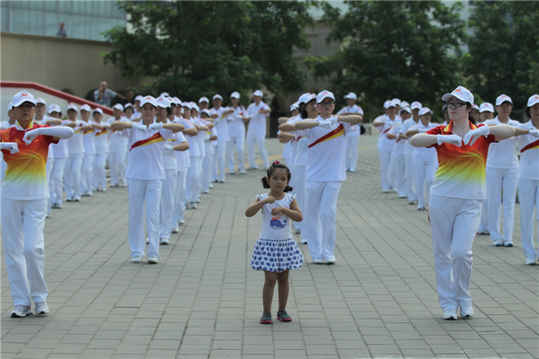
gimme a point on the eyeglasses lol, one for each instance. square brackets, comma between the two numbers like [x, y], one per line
[455, 105]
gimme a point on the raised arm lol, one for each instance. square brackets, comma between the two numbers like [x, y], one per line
[351, 119]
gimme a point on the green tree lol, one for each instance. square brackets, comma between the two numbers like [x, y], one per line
[503, 51]
[405, 49]
[194, 48]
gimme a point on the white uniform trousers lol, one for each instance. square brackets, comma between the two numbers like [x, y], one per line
[252, 140]
[100, 172]
[168, 202]
[385, 158]
[192, 191]
[352, 151]
[206, 173]
[501, 180]
[396, 171]
[117, 167]
[409, 174]
[220, 160]
[56, 185]
[49, 168]
[483, 224]
[528, 190]
[87, 181]
[299, 189]
[236, 144]
[144, 194]
[425, 172]
[24, 249]
[180, 195]
[454, 224]
[73, 176]
[320, 218]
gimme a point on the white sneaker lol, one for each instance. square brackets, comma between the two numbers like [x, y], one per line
[330, 260]
[205, 192]
[153, 260]
[498, 243]
[304, 241]
[181, 222]
[508, 244]
[147, 240]
[164, 241]
[450, 315]
[194, 205]
[242, 172]
[136, 259]
[21, 311]
[176, 229]
[42, 309]
[318, 261]
[466, 313]
[531, 262]
[211, 186]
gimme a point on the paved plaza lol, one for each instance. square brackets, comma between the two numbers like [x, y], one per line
[204, 301]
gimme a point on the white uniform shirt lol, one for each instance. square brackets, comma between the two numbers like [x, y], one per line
[89, 139]
[327, 152]
[200, 137]
[354, 129]
[257, 120]
[529, 154]
[194, 147]
[60, 149]
[118, 139]
[385, 143]
[145, 156]
[182, 157]
[221, 123]
[275, 227]
[102, 139]
[236, 126]
[503, 154]
[406, 126]
[75, 143]
[424, 153]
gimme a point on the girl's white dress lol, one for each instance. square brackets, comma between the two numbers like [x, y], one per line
[276, 250]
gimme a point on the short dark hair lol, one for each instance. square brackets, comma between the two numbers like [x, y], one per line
[275, 165]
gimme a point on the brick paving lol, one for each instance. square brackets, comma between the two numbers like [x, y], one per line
[204, 301]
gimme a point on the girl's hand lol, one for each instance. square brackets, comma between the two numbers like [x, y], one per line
[269, 199]
[277, 211]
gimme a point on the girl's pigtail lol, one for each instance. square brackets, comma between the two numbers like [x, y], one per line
[265, 183]
[288, 189]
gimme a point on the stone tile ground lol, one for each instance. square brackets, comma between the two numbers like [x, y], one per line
[204, 301]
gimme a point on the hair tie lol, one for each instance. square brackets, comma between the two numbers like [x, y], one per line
[275, 163]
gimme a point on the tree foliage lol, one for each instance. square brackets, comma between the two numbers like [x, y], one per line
[196, 48]
[405, 49]
[503, 50]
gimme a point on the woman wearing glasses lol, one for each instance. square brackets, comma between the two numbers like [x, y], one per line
[456, 194]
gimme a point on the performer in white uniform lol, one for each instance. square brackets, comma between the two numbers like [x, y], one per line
[352, 136]
[61, 153]
[486, 112]
[257, 114]
[456, 196]
[384, 124]
[73, 171]
[145, 171]
[219, 115]
[326, 170]
[236, 131]
[529, 182]
[101, 150]
[118, 150]
[24, 204]
[502, 177]
[409, 164]
[87, 181]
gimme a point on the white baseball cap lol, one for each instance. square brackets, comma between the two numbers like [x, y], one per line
[203, 99]
[396, 101]
[294, 106]
[235, 94]
[486, 107]
[306, 98]
[22, 97]
[475, 107]
[258, 93]
[86, 108]
[406, 109]
[217, 97]
[503, 98]
[148, 99]
[206, 112]
[462, 93]
[350, 96]
[177, 101]
[118, 106]
[534, 99]
[195, 107]
[424, 111]
[388, 104]
[322, 95]
[41, 101]
[127, 105]
[138, 98]
[163, 102]
[98, 110]
[164, 94]
[73, 107]
[416, 105]
[186, 104]
[54, 108]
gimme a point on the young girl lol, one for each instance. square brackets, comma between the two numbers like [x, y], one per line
[276, 252]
